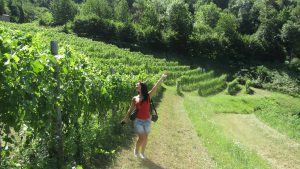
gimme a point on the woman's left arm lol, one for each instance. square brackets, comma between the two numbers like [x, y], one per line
[152, 92]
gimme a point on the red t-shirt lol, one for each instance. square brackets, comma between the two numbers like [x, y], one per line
[143, 108]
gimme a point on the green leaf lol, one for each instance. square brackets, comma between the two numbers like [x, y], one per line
[7, 55]
[37, 66]
[65, 70]
[16, 58]
[2, 153]
[14, 65]
[51, 69]
[52, 59]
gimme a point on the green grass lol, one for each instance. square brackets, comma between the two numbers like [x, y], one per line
[233, 104]
[281, 112]
[277, 110]
[223, 150]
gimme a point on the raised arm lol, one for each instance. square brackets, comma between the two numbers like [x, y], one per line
[152, 92]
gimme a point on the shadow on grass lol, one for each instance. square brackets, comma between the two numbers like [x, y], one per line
[158, 97]
[180, 94]
[150, 164]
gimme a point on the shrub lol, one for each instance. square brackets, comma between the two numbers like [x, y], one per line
[126, 33]
[95, 27]
[178, 88]
[233, 87]
[212, 86]
[295, 63]
[247, 86]
[150, 37]
[46, 19]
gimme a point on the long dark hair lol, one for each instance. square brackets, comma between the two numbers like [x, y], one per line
[144, 91]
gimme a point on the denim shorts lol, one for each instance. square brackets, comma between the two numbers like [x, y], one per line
[142, 126]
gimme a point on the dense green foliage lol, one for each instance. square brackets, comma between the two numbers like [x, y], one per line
[248, 85]
[63, 11]
[88, 81]
[231, 31]
[283, 79]
[31, 95]
[233, 87]
[92, 82]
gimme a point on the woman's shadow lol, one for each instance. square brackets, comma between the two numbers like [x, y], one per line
[150, 164]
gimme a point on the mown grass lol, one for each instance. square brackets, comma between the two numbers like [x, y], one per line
[279, 111]
[226, 152]
[234, 104]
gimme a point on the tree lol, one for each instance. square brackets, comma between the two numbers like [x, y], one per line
[150, 16]
[207, 14]
[220, 3]
[180, 25]
[2, 7]
[138, 8]
[227, 26]
[122, 11]
[209, 45]
[269, 32]
[295, 14]
[63, 11]
[78, 1]
[100, 8]
[247, 15]
[290, 35]
[22, 13]
[44, 3]
[14, 10]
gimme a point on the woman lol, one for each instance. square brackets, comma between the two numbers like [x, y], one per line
[143, 118]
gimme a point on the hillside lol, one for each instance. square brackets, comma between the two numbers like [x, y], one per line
[194, 134]
[63, 111]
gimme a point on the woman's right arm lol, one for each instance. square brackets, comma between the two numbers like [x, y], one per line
[157, 84]
[131, 107]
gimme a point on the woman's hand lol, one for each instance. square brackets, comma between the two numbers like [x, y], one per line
[163, 76]
[124, 121]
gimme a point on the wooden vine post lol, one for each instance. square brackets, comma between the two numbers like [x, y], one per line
[58, 127]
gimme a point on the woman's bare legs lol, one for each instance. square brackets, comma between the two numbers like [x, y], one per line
[145, 139]
[138, 144]
[141, 144]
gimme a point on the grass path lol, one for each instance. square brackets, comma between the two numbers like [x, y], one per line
[280, 151]
[173, 142]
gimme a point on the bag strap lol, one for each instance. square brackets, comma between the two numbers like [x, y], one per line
[153, 106]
